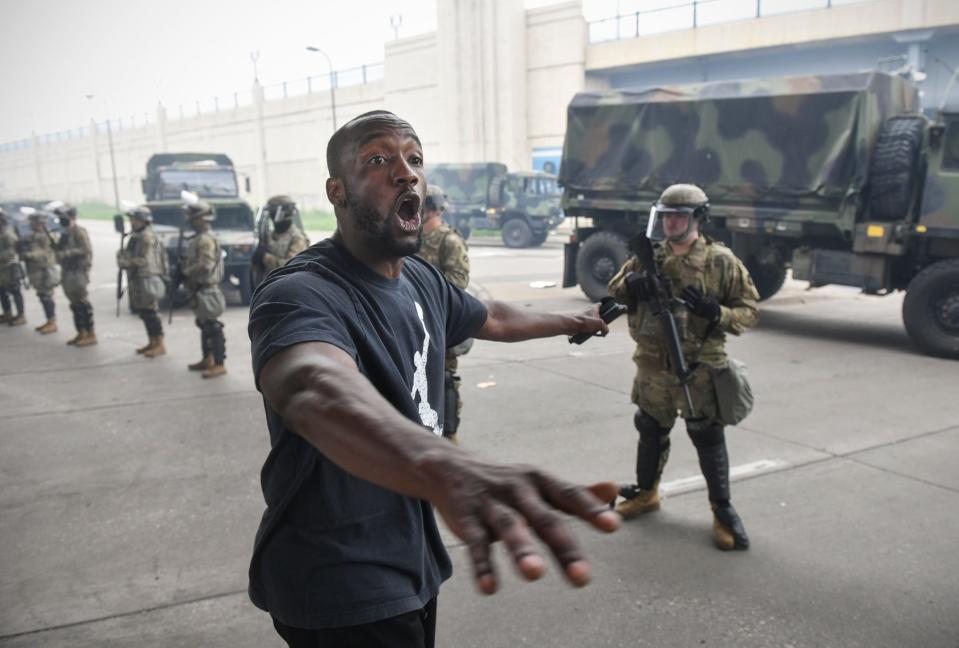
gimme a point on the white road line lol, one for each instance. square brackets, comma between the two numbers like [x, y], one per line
[696, 482]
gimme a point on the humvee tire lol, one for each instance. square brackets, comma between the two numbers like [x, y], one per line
[894, 166]
[517, 233]
[539, 239]
[599, 258]
[930, 310]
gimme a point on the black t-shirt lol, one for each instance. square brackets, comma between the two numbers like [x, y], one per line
[332, 549]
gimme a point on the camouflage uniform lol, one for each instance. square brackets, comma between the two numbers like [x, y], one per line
[202, 269]
[144, 259]
[719, 298]
[446, 249]
[44, 273]
[75, 255]
[282, 247]
[714, 268]
[10, 274]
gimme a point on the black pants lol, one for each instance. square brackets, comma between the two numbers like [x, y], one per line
[416, 629]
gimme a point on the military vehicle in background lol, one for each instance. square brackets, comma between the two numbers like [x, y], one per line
[838, 177]
[212, 177]
[524, 206]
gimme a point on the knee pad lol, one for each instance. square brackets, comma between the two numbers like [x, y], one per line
[705, 433]
[647, 426]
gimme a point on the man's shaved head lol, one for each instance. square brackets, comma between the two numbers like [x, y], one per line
[351, 135]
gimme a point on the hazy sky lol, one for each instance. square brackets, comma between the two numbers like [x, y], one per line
[130, 54]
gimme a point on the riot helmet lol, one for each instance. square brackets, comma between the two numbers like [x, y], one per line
[435, 199]
[195, 209]
[282, 211]
[672, 216]
[64, 212]
[141, 213]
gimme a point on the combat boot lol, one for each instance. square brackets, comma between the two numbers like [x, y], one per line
[214, 371]
[157, 349]
[75, 340]
[202, 365]
[5, 318]
[637, 501]
[89, 338]
[728, 530]
[49, 327]
[147, 346]
[19, 320]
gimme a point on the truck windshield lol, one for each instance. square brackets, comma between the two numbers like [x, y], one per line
[206, 183]
[542, 186]
[228, 217]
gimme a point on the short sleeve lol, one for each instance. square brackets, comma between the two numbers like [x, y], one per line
[296, 308]
[465, 315]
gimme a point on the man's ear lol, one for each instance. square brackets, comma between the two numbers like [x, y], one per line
[336, 192]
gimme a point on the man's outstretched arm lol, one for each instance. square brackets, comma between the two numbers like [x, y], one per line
[322, 397]
[505, 323]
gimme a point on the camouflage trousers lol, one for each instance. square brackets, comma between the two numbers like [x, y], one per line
[75, 284]
[452, 362]
[44, 280]
[145, 292]
[10, 277]
[657, 392]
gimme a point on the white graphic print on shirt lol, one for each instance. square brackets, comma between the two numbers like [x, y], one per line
[428, 415]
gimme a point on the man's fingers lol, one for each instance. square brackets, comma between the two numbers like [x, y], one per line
[553, 531]
[506, 525]
[478, 544]
[590, 504]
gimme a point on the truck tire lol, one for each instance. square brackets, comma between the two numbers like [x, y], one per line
[930, 310]
[894, 168]
[599, 258]
[769, 278]
[539, 239]
[517, 233]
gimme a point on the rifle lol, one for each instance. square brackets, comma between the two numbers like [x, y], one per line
[262, 239]
[661, 301]
[120, 227]
[177, 277]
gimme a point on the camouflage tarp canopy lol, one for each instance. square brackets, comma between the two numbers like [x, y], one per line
[778, 140]
[467, 184]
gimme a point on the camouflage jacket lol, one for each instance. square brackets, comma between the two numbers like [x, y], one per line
[446, 249]
[74, 251]
[203, 263]
[39, 253]
[284, 246]
[144, 255]
[709, 265]
[8, 248]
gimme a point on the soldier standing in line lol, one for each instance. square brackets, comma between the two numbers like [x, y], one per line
[202, 271]
[75, 255]
[286, 241]
[720, 298]
[145, 262]
[10, 273]
[42, 268]
[445, 248]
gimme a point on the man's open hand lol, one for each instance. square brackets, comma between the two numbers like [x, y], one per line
[482, 503]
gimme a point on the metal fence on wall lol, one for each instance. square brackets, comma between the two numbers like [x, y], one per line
[645, 17]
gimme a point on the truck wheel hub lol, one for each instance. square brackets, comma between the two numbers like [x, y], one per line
[947, 312]
[604, 268]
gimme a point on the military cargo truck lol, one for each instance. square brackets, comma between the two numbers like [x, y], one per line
[524, 206]
[838, 177]
[212, 177]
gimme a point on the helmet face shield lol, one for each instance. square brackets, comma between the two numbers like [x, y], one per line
[668, 222]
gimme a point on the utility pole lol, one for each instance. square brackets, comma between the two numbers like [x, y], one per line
[329, 66]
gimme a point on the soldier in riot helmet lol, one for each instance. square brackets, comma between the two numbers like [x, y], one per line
[75, 255]
[445, 248]
[144, 260]
[10, 273]
[202, 271]
[42, 269]
[285, 241]
[717, 297]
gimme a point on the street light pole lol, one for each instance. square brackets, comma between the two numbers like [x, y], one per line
[113, 163]
[329, 65]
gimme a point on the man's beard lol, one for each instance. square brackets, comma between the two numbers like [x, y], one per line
[375, 228]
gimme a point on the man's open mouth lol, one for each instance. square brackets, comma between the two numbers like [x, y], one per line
[407, 211]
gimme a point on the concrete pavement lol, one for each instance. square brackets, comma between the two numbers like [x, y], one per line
[129, 488]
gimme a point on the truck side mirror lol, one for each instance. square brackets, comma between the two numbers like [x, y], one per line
[118, 224]
[936, 131]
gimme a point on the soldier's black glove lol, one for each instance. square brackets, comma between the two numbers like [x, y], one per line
[703, 305]
[640, 286]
